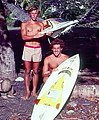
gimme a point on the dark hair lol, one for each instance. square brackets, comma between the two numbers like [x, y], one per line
[57, 41]
[31, 8]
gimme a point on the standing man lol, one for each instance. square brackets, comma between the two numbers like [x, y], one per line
[32, 54]
[52, 61]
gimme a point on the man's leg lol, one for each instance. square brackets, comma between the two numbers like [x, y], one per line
[35, 77]
[45, 79]
[27, 79]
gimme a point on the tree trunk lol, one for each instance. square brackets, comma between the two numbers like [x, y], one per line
[7, 63]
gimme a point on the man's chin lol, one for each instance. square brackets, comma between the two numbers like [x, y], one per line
[35, 20]
[56, 55]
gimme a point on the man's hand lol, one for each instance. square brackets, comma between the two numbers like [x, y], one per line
[49, 33]
[55, 69]
[47, 73]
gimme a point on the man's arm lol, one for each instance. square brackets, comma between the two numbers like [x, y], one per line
[40, 34]
[46, 25]
[24, 33]
[46, 73]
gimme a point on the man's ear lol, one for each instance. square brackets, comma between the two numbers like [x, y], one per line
[39, 11]
[61, 49]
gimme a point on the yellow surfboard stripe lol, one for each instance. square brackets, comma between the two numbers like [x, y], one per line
[53, 97]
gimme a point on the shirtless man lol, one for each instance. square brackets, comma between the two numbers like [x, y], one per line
[52, 61]
[32, 54]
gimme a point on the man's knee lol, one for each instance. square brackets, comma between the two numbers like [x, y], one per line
[27, 72]
[35, 72]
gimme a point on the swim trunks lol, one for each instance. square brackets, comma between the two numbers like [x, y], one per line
[33, 54]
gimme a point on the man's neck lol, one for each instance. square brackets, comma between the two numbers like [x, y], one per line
[33, 20]
[58, 56]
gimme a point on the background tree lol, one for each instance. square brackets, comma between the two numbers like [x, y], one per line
[7, 64]
[65, 9]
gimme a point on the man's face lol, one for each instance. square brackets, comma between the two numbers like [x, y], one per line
[56, 50]
[34, 14]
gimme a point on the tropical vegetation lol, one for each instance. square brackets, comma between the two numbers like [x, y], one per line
[65, 9]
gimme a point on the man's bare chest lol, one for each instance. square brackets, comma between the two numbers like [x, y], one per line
[33, 27]
[55, 63]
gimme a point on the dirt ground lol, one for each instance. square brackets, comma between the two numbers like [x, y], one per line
[78, 108]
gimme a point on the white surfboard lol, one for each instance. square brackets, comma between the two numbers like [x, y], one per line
[57, 90]
[59, 27]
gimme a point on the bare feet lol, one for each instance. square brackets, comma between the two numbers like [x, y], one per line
[26, 97]
[34, 94]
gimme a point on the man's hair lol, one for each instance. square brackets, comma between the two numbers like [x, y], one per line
[31, 8]
[57, 41]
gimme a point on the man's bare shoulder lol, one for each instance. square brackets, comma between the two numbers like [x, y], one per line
[26, 22]
[48, 58]
[40, 23]
[64, 56]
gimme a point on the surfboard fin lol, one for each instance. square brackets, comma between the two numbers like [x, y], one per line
[36, 101]
[57, 106]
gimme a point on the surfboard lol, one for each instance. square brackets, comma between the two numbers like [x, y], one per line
[54, 25]
[59, 27]
[57, 90]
